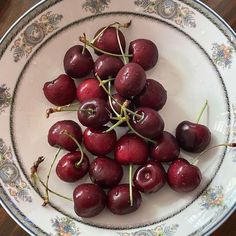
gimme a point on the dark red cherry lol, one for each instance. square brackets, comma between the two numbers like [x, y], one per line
[131, 149]
[107, 41]
[107, 66]
[150, 177]
[118, 200]
[182, 176]
[166, 149]
[153, 95]
[130, 80]
[67, 169]
[77, 63]
[89, 200]
[61, 91]
[93, 113]
[150, 125]
[98, 141]
[90, 89]
[193, 137]
[105, 172]
[57, 137]
[145, 53]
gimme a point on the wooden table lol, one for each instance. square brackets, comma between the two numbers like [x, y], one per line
[10, 10]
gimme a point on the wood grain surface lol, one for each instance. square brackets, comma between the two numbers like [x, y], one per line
[10, 10]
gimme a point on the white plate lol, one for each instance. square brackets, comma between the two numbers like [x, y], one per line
[197, 62]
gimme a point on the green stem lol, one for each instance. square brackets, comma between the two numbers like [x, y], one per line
[46, 199]
[59, 109]
[121, 49]
[196, 159]
[201, 112]
[50, 190]
[130, 185]
[109, 98]
[77, 164]
[123, 119]
[84, 40]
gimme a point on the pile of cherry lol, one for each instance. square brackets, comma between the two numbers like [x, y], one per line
[120, 93]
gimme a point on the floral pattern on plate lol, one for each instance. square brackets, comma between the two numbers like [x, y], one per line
[96, 6]
[169, 9]
[10, 175]
[222, 55]
[212, 198]
[161, 230]
[34, 34]
[65, 226]
[5, 98]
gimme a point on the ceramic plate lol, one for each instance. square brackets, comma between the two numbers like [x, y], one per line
[197, 62]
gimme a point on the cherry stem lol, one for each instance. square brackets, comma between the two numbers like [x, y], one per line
[84, 40]
[201, 112]
[109, 94]
[196, 159]
[125, 25]
[50, 190]
[59, 109]
[121, 49]
[109, 98]
[122, 119]
[134, 131]
[77, 164]
[130, 185]
[84, 46]
[46, 198]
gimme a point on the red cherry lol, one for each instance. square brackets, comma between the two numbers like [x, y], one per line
[166, 149]
[98, 141]
[67, 170]
[118, 200]
[150, 177]
[61, 91]
[57, 137]
[90, 89]
[182, 176]
[131, 149]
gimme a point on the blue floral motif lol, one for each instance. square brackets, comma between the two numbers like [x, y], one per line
[212, 198]
[5, 98]
[222, 55]
[64, 226]
[96, 6]
[169, 9]
[161, 230]
[34, 34]
[10, 175]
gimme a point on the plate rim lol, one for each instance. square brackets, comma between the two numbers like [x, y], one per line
[221, 220]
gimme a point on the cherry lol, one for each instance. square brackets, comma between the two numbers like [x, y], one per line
[105, 172]
[78, 62]
[130, 80]
[98, 141]
[68, 169]
[150, 177]
[89, 200]
[90, 89]
[93, 113]
[182, 176]
[131, 149]
[107, 40]
[166, 149]
[145, 53]
[107, 66]
[153, 95]
[61, 91]
[118, 200]
[193, 137]
[150, 125]
[57, 137]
